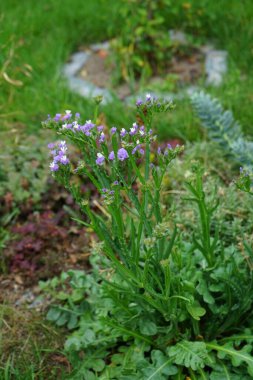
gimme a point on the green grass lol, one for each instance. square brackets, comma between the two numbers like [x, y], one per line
[29, 347]
[44, 33]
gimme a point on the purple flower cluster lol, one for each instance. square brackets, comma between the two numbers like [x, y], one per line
[59, 155]
[166, 150]
[75, 126]
[64, 117]
[149, 99]
[131, 141]
[121, 154]
[108, 195]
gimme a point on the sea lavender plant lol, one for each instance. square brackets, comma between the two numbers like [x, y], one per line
[163, 306]
[118, 163]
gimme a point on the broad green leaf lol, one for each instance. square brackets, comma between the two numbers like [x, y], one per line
[98, 365]
[73, 343]
[88, 336]
[203, 290]
[72, 323]
[63, 318]
[77, 295]
[195, 310]
[53, 314]
[147, 327]
[62, 296]
[189, 354]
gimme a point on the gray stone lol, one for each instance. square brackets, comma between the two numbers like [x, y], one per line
[100, 46]
[77, 60]
[88, 89]
[215, 66]
[178, 37]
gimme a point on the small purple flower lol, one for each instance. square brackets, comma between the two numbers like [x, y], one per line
[116, 183]
[77, 115]
[100, 128]
[87, 127]
[102, 137]
[123, 132]
[66, 117]
[138, 102]
[142, 131]
[122, 154]
[104, 190]
[57, 117]
[57, 158]
[53, 166]
[62, 144]
[64, 160]
[100, 159]
[63, 150]
[134, 129]
[148, 97]
[138, 147]
[159, 151]
[169, 146]
[51, 145]
[89, 124]
[113, 130]
[111, 155]
[76, 126]
[141, 151]
[112, 192]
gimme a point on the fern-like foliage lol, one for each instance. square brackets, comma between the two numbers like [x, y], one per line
[189, 354]
[223, 128]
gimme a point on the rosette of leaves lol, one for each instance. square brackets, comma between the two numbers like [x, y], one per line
[143, 45]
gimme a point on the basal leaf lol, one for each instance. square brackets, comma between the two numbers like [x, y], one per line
[189, 354]
[53, 314]
[147, 327]
[237, 357]
[195, 310]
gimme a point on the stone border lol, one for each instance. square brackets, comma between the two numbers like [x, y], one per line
[215, 69]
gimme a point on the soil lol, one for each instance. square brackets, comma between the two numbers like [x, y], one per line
[44, 243]
[98, 70]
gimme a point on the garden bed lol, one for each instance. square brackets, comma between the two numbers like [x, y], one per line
[90, 72]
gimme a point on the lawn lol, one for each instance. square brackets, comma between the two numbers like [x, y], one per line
[47, 33]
